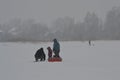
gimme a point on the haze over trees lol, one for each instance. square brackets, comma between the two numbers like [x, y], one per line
[92, 28]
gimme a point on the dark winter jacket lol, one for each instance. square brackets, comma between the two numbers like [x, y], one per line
[40, 53]
[49, 52]
[56, 46]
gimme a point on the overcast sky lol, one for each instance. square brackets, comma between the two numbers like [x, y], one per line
[48, 10]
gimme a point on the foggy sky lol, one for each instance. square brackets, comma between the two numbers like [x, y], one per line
[48, 10]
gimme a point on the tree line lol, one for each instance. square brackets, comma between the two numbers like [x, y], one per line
[92, 28]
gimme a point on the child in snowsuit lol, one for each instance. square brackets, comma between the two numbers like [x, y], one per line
[49, 52]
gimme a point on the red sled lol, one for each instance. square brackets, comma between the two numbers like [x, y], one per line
[55, 59]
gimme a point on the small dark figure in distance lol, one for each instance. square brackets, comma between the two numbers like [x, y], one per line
[89, 42]
[40, 55]
[49, 52]
[56, 48]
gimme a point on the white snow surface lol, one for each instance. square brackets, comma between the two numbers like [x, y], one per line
[101, 61]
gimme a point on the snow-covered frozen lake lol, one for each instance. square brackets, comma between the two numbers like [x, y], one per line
[100, 61]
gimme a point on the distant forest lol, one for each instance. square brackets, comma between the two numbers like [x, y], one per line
[91, 28]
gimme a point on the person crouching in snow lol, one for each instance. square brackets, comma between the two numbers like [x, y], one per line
[40, 54]
[56, 48]
[49, 52]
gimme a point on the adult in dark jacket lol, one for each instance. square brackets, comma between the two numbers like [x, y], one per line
[56, 48]
[40, 55]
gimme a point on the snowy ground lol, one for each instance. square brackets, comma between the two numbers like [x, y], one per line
[100, 61]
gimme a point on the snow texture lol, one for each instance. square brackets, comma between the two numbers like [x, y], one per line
[100, 61]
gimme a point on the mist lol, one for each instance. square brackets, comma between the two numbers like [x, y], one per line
[43, 20]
